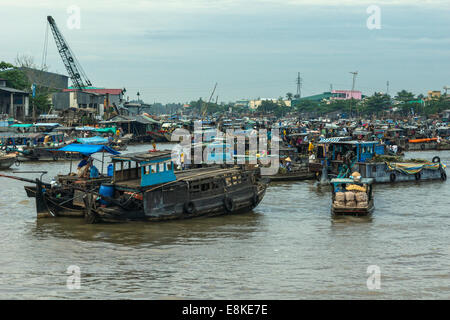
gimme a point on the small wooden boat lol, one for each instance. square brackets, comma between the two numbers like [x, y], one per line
[7, 160]
[296, 174]
[352, 197]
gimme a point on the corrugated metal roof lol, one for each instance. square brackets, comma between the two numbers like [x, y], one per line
[98, 91]
[12, 90]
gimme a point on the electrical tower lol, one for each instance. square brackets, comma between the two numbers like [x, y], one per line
[299, 86]
[354, 73]
[73, 67]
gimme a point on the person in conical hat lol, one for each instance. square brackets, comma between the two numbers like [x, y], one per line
[356, 176]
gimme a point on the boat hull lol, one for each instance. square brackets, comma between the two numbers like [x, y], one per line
[7, 161]
[345, 211]
[291, 177]
[203, 208]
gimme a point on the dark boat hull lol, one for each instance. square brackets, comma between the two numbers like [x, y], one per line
[339, 211]
[291, 177]
[203, 208]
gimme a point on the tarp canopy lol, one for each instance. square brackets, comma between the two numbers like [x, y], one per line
[93, 140]
[43, 124]
[85, 128]
[22, 125]
[87, 149]
[106, 130]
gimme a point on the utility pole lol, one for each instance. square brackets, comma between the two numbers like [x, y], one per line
[299, 86]
[387, 87]
[354, 73]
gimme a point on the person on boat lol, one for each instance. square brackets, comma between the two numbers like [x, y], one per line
[46, 140]
[84, 167]
[310, 147]
[288, 164]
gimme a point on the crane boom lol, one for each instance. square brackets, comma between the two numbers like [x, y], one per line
[73, 67]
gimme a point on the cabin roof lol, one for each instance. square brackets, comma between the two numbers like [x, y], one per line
[349, 180]
[144, 156]
[202, 173]
[354, 142]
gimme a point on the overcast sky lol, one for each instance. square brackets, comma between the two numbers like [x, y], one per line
[176, 50]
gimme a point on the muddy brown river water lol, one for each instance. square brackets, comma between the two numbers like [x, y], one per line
[289, 247]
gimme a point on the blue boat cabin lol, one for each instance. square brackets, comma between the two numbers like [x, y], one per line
[140, 170]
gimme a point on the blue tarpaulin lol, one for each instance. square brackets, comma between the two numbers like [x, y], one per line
[87, 149]
[85, 128]
[93, 140]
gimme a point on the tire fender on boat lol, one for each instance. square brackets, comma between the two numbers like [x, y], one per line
[417, 175]
[189, 207]
[443, 175]
[229, 204]
[255, 198]
[392, 177]
[436, 159]
[422, 146]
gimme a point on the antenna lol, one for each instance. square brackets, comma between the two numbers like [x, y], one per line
[354, 73]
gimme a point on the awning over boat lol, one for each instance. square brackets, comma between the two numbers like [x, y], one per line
[85, 128]
[93, 140]
[87, 149]
[334, 139]
[349, 180]
[106, 130]
[43, 124]
[22, 125]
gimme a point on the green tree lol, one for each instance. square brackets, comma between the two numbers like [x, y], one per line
[404, 96]
[376, 103]
[16, 78]
[289, 96]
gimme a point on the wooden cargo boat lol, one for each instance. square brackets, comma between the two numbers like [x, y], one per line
[352, 197]
[145, 187]
[368, 159]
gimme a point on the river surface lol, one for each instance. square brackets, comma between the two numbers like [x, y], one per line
[289, 247]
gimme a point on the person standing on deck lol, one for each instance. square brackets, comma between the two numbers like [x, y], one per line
[83, 167]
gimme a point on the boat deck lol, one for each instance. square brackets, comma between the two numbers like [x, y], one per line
[187, 175]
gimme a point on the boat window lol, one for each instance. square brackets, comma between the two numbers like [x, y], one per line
[205, 187]
[195, 188]
[169, 165]
[146, 169]
[161, 167]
